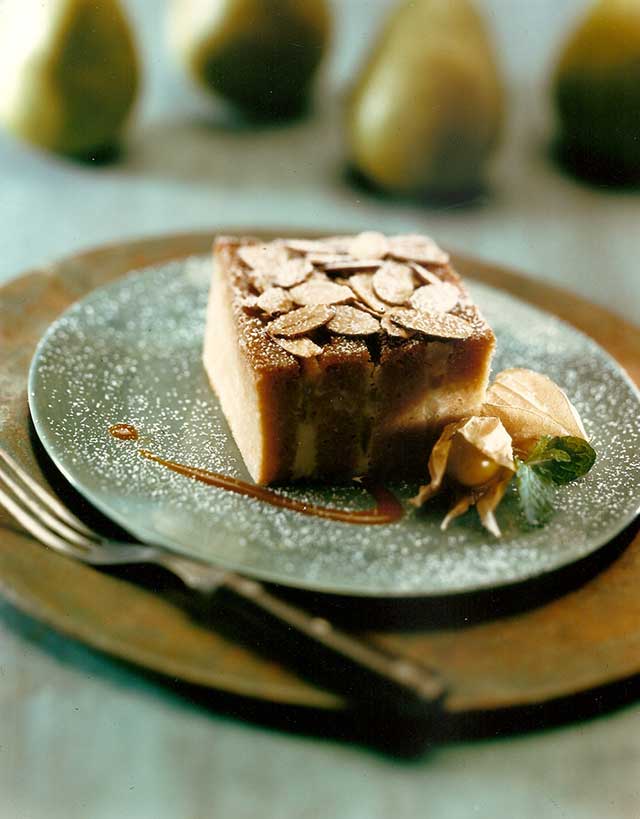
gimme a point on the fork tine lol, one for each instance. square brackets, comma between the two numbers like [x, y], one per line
[46, 497]
[35, 528]
[36, 509]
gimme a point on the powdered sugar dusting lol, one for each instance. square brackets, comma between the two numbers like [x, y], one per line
[131, 352]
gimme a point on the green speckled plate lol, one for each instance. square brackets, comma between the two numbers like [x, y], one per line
[130, 352]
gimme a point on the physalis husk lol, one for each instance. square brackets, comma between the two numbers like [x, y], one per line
[473, 457]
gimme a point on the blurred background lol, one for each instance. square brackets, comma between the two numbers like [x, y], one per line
[187, 162]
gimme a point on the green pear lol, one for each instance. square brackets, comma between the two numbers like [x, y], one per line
[260, 55]
[596, 90]
[427, 109]
[68, 73]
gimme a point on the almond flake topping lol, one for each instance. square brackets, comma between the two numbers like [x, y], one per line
[436, 325]
[267, 256]
[426, 275]
[307, 245]
[330, 244]
[369, 245]
[338, 244]
[260, 280]
[250, 305]
[352, 264]
[356, 285]
[362, 286]
[361, 306]
[320, 291]
[292, 272]
[301, 321]
[274, 300]
[435, 298]
[393, 282]
[322, 259]
[412, 247]
[302, 347]
[349, 321]
[394, 329]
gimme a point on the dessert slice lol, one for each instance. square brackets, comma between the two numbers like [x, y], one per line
[343, 356]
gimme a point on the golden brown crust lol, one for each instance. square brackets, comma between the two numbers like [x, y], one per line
[264, 355]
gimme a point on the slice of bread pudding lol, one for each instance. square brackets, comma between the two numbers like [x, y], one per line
[345, 356]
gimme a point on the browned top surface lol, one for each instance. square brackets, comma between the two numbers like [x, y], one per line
[263, 353]
[569, 633]
[267, 356]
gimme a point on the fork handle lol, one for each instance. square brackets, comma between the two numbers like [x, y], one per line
[419, 681]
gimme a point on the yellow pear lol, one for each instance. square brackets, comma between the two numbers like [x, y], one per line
[596, 90]
[68, 73]
[260, 55]
[427, 109]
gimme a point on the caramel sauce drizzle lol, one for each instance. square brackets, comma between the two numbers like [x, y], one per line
[387, 507]
[124, 432]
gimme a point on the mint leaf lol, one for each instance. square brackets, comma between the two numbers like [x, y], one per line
[552, 461]
[561, 459]
[536, 494]
[538, 452]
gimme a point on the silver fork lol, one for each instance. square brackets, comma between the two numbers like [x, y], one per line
[50, 522]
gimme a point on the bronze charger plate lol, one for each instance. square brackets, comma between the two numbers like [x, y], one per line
[562, 645]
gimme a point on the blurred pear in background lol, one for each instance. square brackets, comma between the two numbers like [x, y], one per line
[597, 92]
[68, 73]
[427, 109]
[259, 55]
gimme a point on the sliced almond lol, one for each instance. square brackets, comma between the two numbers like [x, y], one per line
[426, 275]
[435, 298]
[319, 276]
[394, 329]
[393, 282]
[369, 245]
[275, 300]
[362, 286]
[268, 255]
[292, 272]
[436, 325]
[329, 244]
[320, 291]
[307, 245]
[338, 244]
[413, 247]
[250, 305]
[349, 321]
[301, 321]
[323, 259]
[361, 306]
[352, 265]
[301, 347]
[261, 280]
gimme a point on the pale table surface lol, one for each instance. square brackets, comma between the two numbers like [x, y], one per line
[82, 736]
